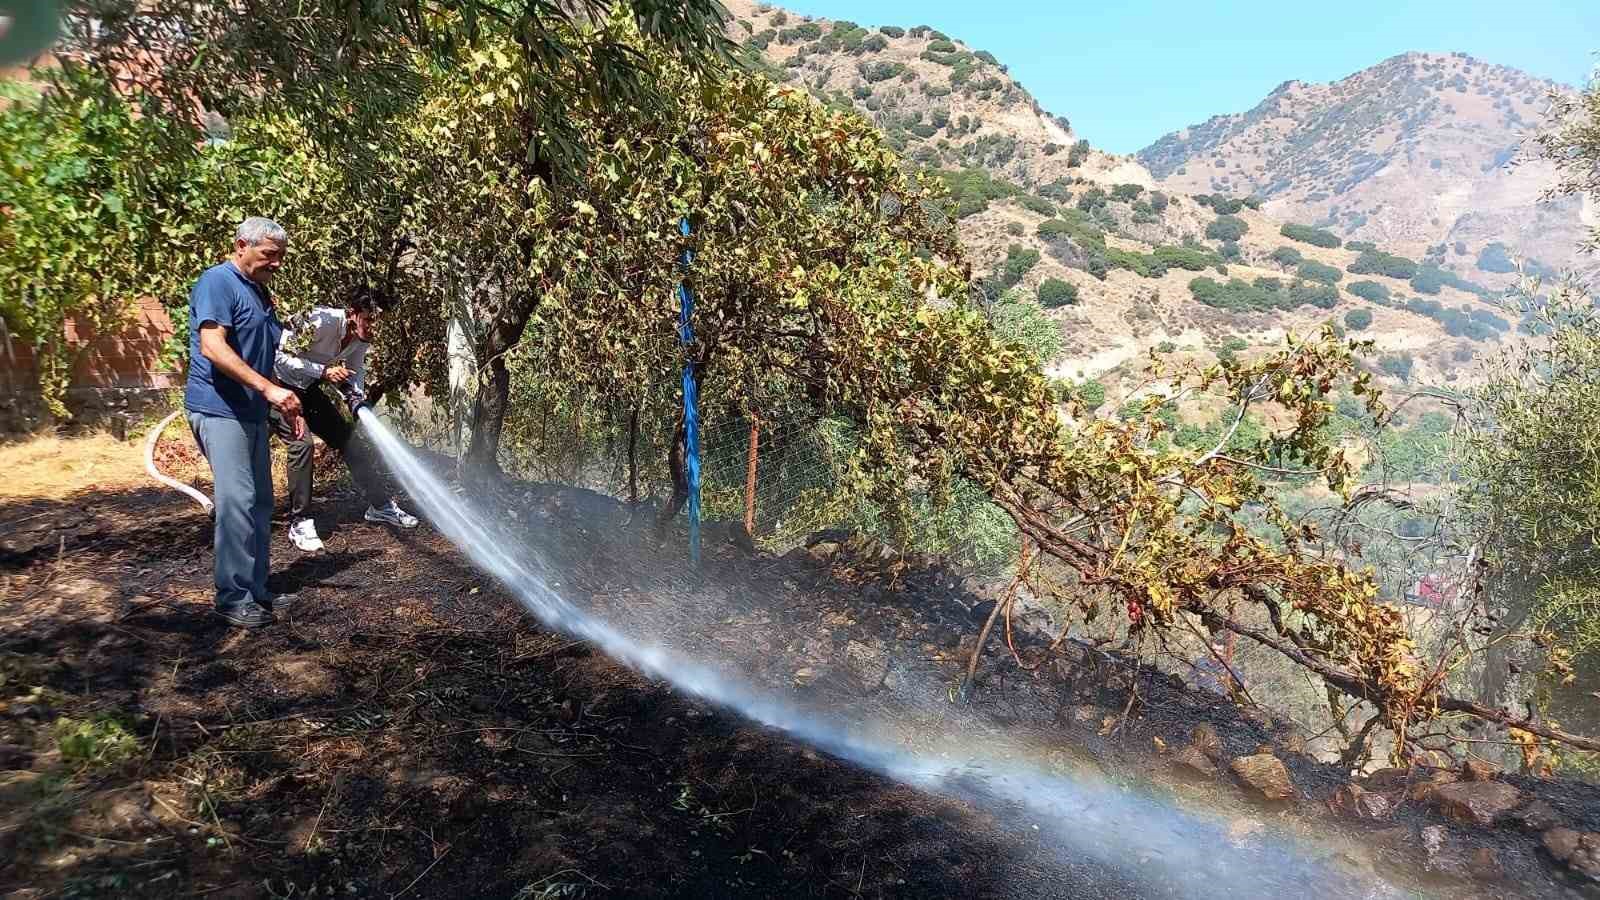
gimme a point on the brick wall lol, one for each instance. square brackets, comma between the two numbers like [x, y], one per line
[128, 358]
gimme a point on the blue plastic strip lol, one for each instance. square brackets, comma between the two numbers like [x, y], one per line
[691, 416]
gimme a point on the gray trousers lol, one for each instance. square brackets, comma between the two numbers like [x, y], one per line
[241, 469]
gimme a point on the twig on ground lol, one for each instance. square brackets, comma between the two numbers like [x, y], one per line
[421, 876]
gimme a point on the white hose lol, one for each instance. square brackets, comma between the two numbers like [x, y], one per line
[150, 464]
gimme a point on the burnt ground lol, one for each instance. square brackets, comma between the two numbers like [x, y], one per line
[408, 731]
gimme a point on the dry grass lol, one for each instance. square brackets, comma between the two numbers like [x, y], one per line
[53, 468]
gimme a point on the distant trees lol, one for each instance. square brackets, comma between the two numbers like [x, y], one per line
[1263, 294]
[1227, 228]
[1371, 291]
[1219, 204]
[1126, 193]
[1078, 154]
[1311, 270]
[1288, 257]
[893, 31]
[1377, 262]
[1306, 234]
[1429, 279]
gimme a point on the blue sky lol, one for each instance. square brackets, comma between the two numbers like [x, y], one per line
[1125, 72]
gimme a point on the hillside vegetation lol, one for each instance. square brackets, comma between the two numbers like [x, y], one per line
[1123, 267]
[1421, 150]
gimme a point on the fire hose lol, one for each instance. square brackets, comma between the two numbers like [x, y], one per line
[356, 399]
[150, 464]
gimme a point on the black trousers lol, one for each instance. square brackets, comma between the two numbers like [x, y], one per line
[324, 420]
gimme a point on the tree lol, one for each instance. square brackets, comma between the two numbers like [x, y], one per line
[792, 214]
[308, 58]
[96, 214]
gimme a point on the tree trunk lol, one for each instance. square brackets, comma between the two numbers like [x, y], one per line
[489, 406]
[678, 465]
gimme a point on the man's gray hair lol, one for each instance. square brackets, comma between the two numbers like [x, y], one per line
[256, 229]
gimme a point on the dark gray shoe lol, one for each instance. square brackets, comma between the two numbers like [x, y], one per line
[278, 603]
[248, 614]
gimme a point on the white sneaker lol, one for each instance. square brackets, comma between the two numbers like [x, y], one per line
[304, 536]
[391, 514]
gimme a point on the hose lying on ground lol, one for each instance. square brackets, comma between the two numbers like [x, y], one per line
[150, 464]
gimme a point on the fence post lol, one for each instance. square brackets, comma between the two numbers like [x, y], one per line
[691, 420]
[750, 480]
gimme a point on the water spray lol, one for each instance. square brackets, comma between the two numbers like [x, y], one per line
[1180, 854]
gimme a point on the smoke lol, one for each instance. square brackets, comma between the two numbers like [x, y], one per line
[1169, 851]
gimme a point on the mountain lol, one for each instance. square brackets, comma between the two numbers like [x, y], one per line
[1420, 151]
[1123, 262]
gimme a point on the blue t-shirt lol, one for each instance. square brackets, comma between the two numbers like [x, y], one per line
[225, 296]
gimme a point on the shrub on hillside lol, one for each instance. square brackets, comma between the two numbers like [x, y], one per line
[1229, 251]
[874, 43]
[881, 70]
[1037, 204]
[1092, 394]
[1311, 270]
[1059, 190]
[1092, 199]
[1015, 229]
[1496, 258]
[941, 47]
[1078, 155]
[1360, 246]
[1193, 259]
[1305, 234]
[1053, 293]
[1288, 257]
[1358, 319]
[1018, 262]
[1126, 193]
[810, 31]
[1131, 260]
[1227, 228]
[1428, 280]
[1377, 262]
[1264, 294]
[780, 18]
[1077, 228]
[1371, 290]
[894, 31]
[1399, 365]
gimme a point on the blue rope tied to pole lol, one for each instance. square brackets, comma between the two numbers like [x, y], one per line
[691, 416]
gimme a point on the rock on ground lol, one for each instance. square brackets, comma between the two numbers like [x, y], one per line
[1477, 802]
[1265, 774]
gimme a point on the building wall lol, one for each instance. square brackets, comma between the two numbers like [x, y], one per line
[121, 361]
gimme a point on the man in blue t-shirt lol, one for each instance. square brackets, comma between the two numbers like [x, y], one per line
[233, 341]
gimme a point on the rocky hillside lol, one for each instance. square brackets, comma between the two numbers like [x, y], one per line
[1421, 150]
[1123, 264]
[941, 102]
